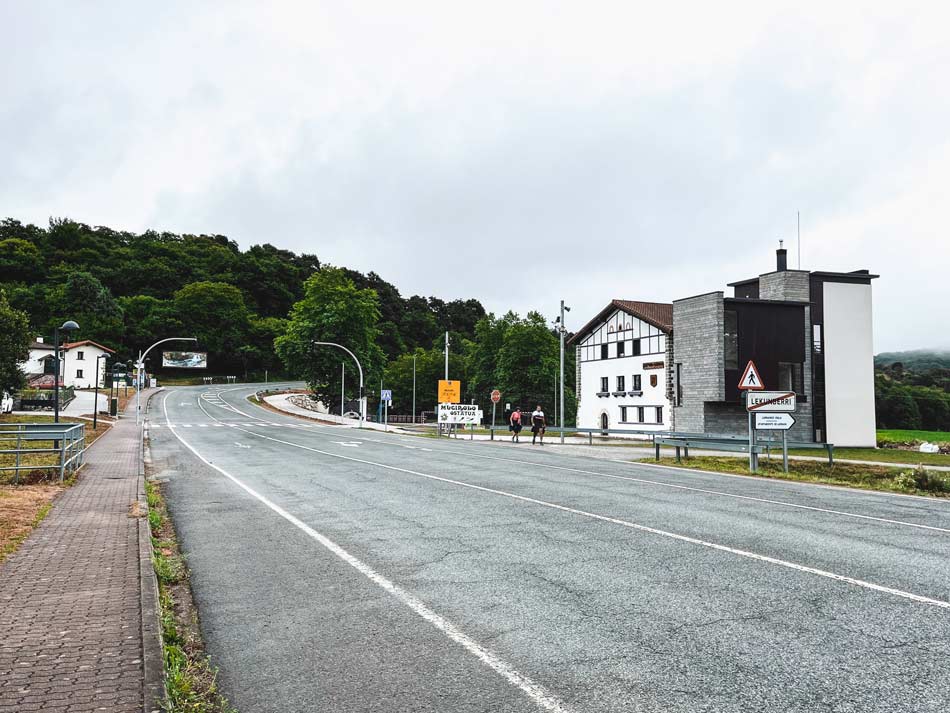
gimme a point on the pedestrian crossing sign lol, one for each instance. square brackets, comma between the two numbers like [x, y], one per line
[751, 381]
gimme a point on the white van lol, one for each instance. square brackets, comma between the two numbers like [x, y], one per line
[6, 403]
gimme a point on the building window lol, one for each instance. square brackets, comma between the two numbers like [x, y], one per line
[603, 351]
[78, 373]
[623, 414]
[731, 339]
[637, 382]
[636, 347]
[816, 337]
[621, 348]
[659, 414]
[604, 384]
[620, 383]
[640, 418]
[790, 377]
[679, 384]
[80, 356]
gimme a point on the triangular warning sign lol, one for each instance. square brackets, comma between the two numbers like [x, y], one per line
[751, 381]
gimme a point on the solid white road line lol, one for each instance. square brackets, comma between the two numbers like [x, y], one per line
[538, 694]
[647, 481]
[632, 525]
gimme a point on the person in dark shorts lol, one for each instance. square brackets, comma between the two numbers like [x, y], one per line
[538, 425]
[515, 425]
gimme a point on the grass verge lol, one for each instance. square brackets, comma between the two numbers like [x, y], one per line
[886, 436]
[39, 467]
[917, 481]
[190, 679]
[882, 455]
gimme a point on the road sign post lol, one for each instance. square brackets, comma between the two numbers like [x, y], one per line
[751, 381]
[495, 398]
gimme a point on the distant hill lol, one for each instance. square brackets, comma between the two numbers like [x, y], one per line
[915, 360]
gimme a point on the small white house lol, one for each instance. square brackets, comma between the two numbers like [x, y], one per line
[622, 367]
[77, 367]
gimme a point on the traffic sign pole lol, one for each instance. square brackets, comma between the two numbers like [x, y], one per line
[785, 450]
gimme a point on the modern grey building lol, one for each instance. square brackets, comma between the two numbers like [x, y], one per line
[807, 332]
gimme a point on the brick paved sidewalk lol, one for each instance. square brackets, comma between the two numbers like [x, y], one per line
[72, 597]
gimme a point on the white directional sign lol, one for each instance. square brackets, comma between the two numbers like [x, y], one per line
[773, 421]
[459, 413]
[771, 401]
[751, 381]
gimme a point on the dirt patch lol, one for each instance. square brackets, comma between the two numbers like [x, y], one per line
[22, 507]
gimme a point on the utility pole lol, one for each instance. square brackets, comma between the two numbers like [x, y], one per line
[413, 389]
[342, 390]
[446, 356]
[562, 331]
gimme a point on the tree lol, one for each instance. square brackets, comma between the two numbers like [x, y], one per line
[215, 313]
[80, 296]
[20, 260]
[430, 368]
[333, 309]
[15, 341]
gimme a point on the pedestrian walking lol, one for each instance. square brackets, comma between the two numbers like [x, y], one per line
[515, 425]
[538, 425]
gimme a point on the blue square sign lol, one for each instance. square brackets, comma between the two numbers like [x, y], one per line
[386, 395]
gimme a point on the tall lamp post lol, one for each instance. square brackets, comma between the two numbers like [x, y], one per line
[561, 332]
[140, 364]
[359, 368]
[67, 327]
[95, 402]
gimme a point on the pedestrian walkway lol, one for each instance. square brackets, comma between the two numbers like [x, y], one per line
[72, 597]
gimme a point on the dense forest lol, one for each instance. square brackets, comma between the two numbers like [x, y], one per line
[128, 290]
[912, 390]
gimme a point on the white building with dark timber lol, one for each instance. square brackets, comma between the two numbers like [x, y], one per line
[807, 331]
[622, 375]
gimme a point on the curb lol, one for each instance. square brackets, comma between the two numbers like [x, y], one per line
[152, 651]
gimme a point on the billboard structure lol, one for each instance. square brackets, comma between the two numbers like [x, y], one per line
[185, 360]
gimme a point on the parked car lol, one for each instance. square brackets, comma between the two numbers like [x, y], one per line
[6, 403]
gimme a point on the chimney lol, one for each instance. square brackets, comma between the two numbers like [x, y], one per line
[781, 257]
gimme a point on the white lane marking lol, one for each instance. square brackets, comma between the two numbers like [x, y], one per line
[240, 445]
[537, 693]
[348, 444]
[705, 491]
[185, 425]
[636, 526]
[708, 491]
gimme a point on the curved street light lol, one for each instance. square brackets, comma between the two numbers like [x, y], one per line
[140, 364]
[358, 367]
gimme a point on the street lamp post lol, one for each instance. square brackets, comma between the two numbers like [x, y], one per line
[95, 402]
[413, 389]
[140, 364]
[359, 368]
[562, 331]
[67, 327]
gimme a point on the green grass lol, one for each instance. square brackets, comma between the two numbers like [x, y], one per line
[190, 679]
[916, 481]
[903, 436]
[883, 455]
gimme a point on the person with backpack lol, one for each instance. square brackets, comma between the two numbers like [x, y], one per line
[515, 425]
[538, 425]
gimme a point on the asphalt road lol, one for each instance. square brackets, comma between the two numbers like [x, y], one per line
[339, 570]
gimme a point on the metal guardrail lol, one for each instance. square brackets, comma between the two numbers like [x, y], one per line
[684, 439]
[67, 440]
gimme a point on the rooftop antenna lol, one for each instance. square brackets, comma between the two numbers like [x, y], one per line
[798, 215]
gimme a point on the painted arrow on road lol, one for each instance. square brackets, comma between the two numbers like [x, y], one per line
[349, 444]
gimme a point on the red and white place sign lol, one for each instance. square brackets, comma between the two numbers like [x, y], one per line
[495, 396]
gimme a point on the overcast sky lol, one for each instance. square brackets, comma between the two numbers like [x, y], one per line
[516, 152]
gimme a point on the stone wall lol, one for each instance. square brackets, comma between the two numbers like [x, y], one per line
[698, 326]
[790, 285]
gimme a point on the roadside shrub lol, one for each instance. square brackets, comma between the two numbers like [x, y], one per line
[922, 479]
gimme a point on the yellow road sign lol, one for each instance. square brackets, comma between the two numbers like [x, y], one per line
[450, 392]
